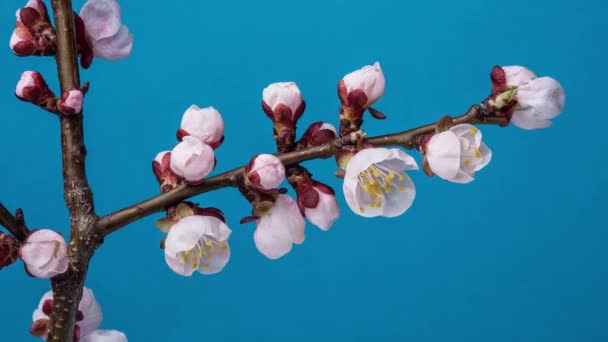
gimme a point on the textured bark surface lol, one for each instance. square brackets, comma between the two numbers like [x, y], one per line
[67, 287]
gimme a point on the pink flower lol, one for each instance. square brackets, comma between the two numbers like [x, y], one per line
[279, 228]
[105, 336]
[362, 88]
[528, 101]
[107, 36]
[197, 243]
[265, 172]
[456, 154]
[71, 102]
[318, 203]
[45, 254]
[376, 184]
[205, 124]
[33, 88]
[282, 102]
[192, 160]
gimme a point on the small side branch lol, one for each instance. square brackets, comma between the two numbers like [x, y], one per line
[14, 224]
[407, 139]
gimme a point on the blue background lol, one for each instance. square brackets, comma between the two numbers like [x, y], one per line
[518, 255]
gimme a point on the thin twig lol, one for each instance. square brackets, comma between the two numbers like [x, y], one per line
[14, 224]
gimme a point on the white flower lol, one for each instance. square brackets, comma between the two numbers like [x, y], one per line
[279, 228]
[88, 306]
[284, 94]
[105, 336]
[197, 243]
[538, 101]
[109, 38]
[455, 155]
[192, 160]
[205, 124]
[45, 254]
[320, 204]
[375, 183]
[265, 172]
[369, 80]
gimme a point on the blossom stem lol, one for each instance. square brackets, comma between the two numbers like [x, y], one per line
[67, 287]
[14, 224]
[407, 139]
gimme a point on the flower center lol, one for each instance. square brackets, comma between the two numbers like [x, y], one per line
[379, 181]
[202, 252]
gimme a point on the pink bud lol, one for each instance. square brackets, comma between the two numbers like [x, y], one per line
[319, 133]
[205, 124]
[283, 103]
[265, 172]
[361, 88]
[44, 253]
[33, 88]
[33, 34]
[71, 101]
[192, 160]
[318, 203]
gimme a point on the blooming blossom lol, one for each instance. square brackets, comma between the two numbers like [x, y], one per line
[456, 154]
[192, 160]
[45, 253]
[375, 183]
[107, 36]
[318, 203]
[265, 172]
[536, 100]
[363, 87]
[205, 124]
[197, 243]
[282, 102]
[279, 228]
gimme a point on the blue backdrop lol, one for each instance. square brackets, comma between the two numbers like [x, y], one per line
[518, 255]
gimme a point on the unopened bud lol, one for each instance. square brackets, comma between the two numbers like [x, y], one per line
[264, 172]
[205, 124]
[71, 101]
[33, 88]
[318, 134]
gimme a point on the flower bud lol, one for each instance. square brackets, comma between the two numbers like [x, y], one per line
[33, 88]
[205, 124]
[318, 134]
[318, 203]
[71, 101]
[361, 88]
[44, 253]
[9, 250]
[192, 160]
[33, 34]
[283, 103]
[264, 172]
[161, 166]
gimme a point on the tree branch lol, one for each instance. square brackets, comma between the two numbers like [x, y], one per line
[14, 224]
[407, 139]
[67, 287]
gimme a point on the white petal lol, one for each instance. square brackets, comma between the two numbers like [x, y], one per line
[326, 212]
[177, 265]
[114, 47]
[45, 254]
[205, 124]
[517, 75]
[91, 312]
[398, 202]
[364, 159]
[217, 262]
[443, 154]
[369, 79]
[282, 226]
[286, 93]
[186, 233]
[38, 314]
[192, 160]
[462, 178]
[101, 18]
[486, 156]
[469, 132]
[105, 336]
[270, 170]
[538, 100]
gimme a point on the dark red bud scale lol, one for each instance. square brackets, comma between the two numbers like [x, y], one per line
[47, 307]
[181, 134]
[376, 114]
[499, 80]
[84, 46]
